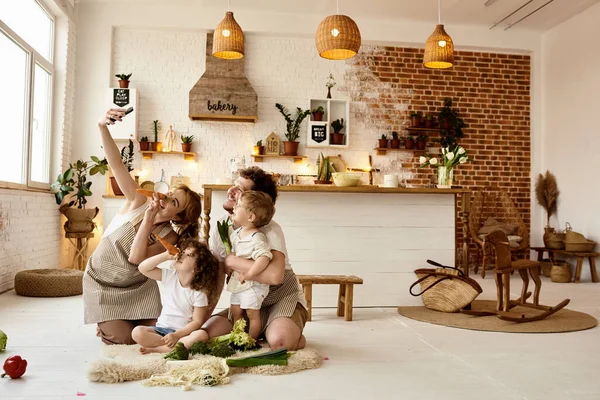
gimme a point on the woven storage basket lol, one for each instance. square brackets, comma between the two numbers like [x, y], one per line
[444, 290]
[561, 271]
[553, 240]
[575, 241]
[49, 282]
[546, 265]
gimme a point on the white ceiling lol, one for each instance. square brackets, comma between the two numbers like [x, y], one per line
[454, 12]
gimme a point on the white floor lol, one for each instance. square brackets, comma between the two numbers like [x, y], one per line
[380, 355]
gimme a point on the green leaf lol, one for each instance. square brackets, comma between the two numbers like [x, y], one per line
[94, 170]
[59, 197]
[95, 159]
[68, 175]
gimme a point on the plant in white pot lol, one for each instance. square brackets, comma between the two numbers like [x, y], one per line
[74, 183]
[290, 146]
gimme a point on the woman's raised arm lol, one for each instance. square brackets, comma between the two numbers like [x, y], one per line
[113, 156]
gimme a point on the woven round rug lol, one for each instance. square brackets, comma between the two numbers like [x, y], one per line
[563, 321]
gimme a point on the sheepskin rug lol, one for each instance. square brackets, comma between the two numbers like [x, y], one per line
[124, 363]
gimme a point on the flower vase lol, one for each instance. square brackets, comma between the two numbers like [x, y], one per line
[445, 178]
[328, 92]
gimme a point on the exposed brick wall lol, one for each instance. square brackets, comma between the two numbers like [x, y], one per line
[491, 92]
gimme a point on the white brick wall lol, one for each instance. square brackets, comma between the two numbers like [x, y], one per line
[31, 234]
[166, 65]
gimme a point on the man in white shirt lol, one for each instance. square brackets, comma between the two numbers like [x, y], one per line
[283, 312]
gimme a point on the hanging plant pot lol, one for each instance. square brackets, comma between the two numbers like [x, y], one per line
[290, 148]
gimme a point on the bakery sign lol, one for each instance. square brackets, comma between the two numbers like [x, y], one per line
[223, 93]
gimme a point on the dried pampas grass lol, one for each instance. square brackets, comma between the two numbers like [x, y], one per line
[546, 193]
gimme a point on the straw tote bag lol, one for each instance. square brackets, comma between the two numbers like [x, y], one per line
[445, 288]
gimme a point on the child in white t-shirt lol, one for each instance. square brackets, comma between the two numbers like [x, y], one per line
[253, 210]
[190, 279]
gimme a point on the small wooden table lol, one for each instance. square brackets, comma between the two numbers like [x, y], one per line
[580, 255]
[80, 242]
[345, 296]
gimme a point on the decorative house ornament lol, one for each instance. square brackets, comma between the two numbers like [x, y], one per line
[439, 48]
[338, 37]
[273, 145]
[229, 39]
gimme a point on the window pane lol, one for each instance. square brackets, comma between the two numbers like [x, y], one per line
[40, 126]
[12, 110]
[31, 22]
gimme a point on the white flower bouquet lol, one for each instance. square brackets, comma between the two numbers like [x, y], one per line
[451, 156]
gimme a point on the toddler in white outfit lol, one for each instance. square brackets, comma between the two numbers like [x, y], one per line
[253, 210]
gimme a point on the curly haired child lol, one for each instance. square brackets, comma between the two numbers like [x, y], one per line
[190, 279]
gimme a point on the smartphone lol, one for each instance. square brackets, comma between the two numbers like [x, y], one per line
[129, 110]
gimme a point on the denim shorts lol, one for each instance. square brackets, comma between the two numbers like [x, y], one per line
[162, 331]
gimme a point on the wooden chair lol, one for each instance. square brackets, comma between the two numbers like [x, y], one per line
[502, 272]
[495, 203]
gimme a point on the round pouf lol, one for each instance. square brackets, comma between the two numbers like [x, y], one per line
[49, 282]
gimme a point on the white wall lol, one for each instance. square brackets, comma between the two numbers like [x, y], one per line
[570, 129]
[164, 48]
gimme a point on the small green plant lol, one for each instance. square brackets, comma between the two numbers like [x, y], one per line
[123, 77]
[259, 143]
[410, 138]
[144, 139]
[421, 138]
[383, 136]
[452, 132]
[429, 117]
[325, 168]
[414, 114]
[127, 155]
[187, 139]
[156, 128]
[319, 109]
[293, 123]
[74, 179]
[394, 135]
[337, 125]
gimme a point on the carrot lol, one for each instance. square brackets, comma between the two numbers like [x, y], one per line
[170, 248]
[150, 193]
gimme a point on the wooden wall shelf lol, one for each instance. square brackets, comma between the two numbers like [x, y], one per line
[382, 151]
[417, 130]
[187, 155]
[259, 158]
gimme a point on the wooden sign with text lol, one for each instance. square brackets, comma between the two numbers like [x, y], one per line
[273, 147]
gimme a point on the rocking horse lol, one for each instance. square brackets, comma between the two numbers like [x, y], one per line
[502, 271]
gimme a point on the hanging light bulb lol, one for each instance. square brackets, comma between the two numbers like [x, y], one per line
[439, 48]
[228, 40]
[338, 37]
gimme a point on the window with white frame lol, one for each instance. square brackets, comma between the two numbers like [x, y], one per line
[27, 64]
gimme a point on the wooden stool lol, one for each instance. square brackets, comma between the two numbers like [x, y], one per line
[80, 242]
[345, 296]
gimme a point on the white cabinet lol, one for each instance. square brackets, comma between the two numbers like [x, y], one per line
[320, 133]
[124, 98]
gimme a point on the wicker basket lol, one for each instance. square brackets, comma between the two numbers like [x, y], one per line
[553, 240]
[444, 290]
[583, 247]
[561, 271]
[546, 265]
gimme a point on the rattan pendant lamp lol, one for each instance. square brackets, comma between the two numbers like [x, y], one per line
[228, 39]
[338, 37]
[439, 48]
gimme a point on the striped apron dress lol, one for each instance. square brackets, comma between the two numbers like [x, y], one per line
[113, 288]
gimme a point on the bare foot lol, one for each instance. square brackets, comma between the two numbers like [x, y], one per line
[159, 349]
[301, 342]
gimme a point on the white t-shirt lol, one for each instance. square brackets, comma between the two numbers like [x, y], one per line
[272, 231]
[178, 302]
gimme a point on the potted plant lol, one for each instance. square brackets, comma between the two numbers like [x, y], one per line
[156, 145]
[415, 119]
[259, 149]
[144, 143]
[337, 137]
[324, 170]
[123, 80]
[318, 113]
[421, 140]
[428, 120]
[395, 143]
[290, 147]
[186, 143]
[450, 125]
[73, 182]
[409, 142]
[383, 142]
[127, 159]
